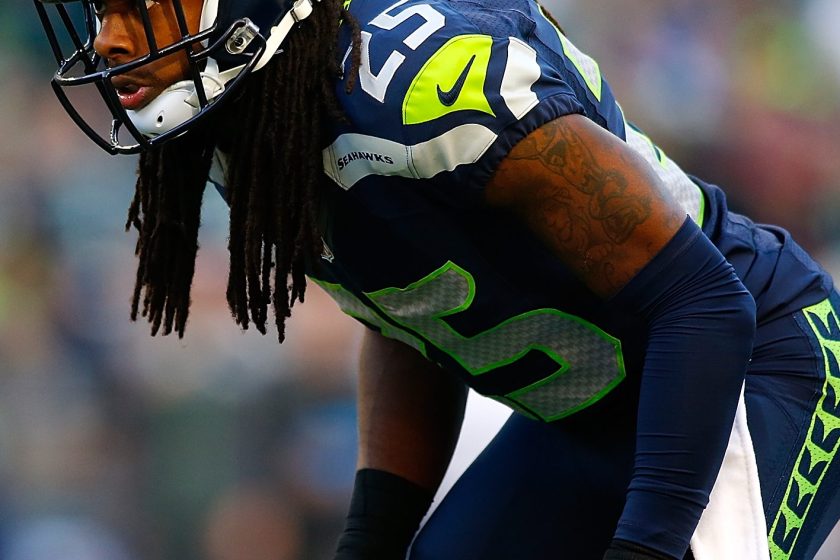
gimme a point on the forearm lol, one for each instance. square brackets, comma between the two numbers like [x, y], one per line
[410, 414]
[700, 337]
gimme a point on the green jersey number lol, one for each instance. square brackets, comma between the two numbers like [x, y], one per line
[589, 361]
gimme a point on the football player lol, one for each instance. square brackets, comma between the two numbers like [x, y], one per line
[460, 178]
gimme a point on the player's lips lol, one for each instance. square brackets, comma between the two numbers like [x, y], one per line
[132, 96]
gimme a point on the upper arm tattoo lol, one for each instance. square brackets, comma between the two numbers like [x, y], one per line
[587, 207]
[563, 152]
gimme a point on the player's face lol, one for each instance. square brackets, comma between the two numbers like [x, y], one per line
[122, 38]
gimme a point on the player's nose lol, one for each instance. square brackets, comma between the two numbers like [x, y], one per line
[118, 39]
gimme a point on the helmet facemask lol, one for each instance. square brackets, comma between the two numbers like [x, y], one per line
[220, 55]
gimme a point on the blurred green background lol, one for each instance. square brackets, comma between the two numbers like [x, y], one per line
[226, 446]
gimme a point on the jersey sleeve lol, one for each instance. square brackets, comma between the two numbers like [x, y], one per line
[444, 91]
[529, 93]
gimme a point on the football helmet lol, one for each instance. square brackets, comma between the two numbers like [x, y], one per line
[235, 38]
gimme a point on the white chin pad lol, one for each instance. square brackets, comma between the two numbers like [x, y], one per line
[176, 104]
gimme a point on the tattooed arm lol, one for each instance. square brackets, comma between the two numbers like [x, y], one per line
[603, 211]
[594, 201]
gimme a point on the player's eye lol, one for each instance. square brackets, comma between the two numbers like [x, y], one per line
[99, 6]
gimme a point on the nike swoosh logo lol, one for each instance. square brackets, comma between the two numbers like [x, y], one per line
[449, 97]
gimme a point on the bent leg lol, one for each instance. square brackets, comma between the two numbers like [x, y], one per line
[538, 491]
[792, 395]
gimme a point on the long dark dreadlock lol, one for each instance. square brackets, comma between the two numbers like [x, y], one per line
[273, 182]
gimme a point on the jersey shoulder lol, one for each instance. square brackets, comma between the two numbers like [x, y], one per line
[439, 81]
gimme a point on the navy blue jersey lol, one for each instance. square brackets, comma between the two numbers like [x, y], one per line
[445, 90]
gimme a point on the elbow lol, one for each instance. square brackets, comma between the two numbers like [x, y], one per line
[739, 313]
[745, 317]
[745, 313]
[742, 317]
[736, 329]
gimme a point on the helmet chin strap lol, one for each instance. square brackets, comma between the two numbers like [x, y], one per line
[179, 102]
[301, 10]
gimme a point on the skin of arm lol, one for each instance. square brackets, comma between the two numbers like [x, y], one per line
[410, 412]
[590, 198]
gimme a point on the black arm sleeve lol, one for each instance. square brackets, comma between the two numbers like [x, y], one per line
[385, 511]
[623, 550]
[701, 326]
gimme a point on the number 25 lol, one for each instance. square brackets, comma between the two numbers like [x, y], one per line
[377, 84]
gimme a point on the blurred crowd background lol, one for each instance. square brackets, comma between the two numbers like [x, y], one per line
[226, 446]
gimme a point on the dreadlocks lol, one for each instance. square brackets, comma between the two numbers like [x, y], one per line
[273, 183]
[166, 213]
